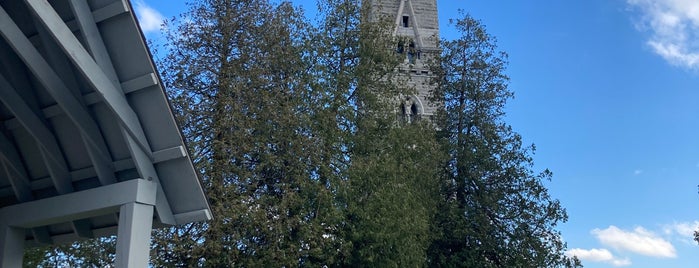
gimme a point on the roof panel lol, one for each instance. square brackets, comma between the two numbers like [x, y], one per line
[80, 147]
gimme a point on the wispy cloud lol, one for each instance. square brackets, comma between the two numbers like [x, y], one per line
[598, 255]
[672, 25]
[638, 240]
[637, 172]
[149, 18]
[683, 231]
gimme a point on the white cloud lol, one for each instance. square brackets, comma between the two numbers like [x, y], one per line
[638, 172]
[149, 18]
[598, 255]
[673, 25]
[621, 262]
[684, 231]
[639, 240]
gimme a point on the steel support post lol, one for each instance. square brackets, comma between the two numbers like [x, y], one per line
[134, 233]
[11, 247]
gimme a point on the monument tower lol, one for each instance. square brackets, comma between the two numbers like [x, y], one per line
[417, 25]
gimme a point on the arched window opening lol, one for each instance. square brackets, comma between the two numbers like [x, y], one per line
[410, 110]
[412, 52]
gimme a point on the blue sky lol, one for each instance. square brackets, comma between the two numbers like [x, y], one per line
[608, 90]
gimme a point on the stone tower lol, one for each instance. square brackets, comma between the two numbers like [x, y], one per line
[416, 22]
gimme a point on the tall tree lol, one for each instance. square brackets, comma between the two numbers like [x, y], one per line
[495, 210]
[239, 75]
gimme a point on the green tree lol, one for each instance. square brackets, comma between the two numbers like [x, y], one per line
[239, 74]
[393, 192]
[293, 128]
[495, 210]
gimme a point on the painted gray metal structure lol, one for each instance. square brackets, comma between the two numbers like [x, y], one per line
[88, 144]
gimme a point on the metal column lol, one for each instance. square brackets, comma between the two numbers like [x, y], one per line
[11, 246]
[133, 237]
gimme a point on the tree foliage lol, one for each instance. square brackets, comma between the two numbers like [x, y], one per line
[496, 212]
[293, 128]
[239, 72]
[97, 252]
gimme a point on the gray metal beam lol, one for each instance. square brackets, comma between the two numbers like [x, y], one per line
[49, 79]
[68, 207]
[101, 14]
[15, 170]
[89, 172]
[92, 98]
[146, 170]
[43, 136]
[61, 65]
[20, 183]
[93, 40]
[69, 238]
[133, 237]
[50, 152]
[143, 158]
[91, 70]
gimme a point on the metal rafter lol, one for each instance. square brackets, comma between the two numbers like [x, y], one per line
[49, 79]
[119, 165]
[101, 162]
[50, 151]
[13, 168]
[143, 159]
[44, 137]
[95, 76]
[20, 185]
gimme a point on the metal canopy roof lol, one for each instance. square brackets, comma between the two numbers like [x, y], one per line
[85, 126]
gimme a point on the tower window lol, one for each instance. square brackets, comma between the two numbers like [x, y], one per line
[412, 52]
[406, 21]
[410, 110]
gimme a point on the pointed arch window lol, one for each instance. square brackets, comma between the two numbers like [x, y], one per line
[410, 109]
[412, 52]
